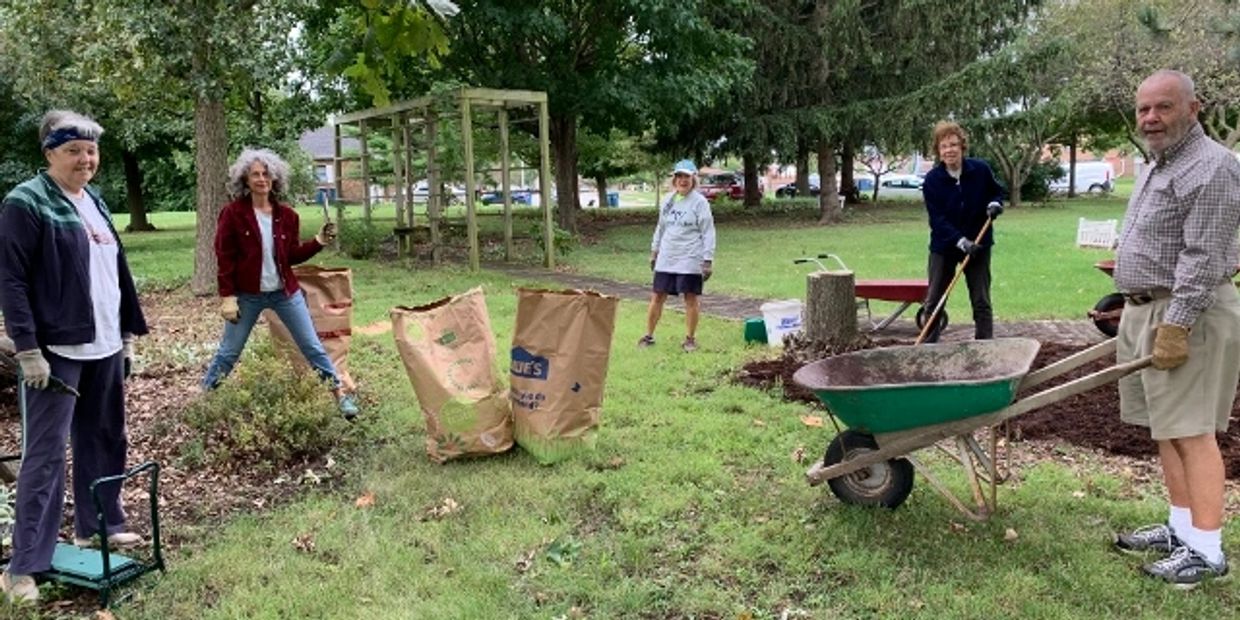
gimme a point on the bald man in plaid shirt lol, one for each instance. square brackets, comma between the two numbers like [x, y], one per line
[1175, 263]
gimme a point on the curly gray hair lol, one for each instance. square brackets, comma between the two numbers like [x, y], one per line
[240, 170]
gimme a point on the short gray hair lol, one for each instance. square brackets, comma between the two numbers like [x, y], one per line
[240, 170]
[68, 119]
[1187, 87]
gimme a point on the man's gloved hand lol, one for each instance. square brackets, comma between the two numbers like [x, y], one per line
[968, 247]
[229, 309]
[653, 257]
[1170, 346]
[35, 371]
[6, 345]
[994, 210]
[127, 353]
[707, 269]
[326, 234]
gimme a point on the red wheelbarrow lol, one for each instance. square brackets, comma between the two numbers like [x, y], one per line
[903, 292]
[1107, 311]
[897, 400]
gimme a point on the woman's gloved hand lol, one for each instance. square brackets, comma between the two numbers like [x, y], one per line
[229, 309]
[35, 371]
[327, 234]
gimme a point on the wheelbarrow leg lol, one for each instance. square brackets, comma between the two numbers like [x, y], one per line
[967, 458]
[945, 492]
[890, 319]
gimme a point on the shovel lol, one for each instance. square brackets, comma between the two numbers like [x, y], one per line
[934, 317]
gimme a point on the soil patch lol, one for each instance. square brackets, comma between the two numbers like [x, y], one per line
[1089, 420]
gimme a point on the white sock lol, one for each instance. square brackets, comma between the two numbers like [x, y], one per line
[1206, 542]
[1181, 519]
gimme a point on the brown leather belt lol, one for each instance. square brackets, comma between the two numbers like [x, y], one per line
[1140, 298]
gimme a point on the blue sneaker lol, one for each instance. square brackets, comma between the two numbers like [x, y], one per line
[348, 406]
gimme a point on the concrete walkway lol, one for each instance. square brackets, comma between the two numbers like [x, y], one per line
[1075, 332]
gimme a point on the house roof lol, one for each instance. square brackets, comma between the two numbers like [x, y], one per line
[319, 143]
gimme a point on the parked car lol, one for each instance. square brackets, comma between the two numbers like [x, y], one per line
[789, 190]
[729, 185]
[900, 186]
[1091, 177]
[421, 193]
[519, 196]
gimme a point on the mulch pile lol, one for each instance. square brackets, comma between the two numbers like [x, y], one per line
[1090, 419]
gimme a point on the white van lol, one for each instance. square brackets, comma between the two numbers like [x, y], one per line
[1091, 177]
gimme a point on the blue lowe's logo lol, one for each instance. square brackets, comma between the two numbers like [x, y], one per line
[789, 322]
[526, 364]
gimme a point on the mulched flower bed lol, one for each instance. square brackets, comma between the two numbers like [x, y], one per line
[1088, 420]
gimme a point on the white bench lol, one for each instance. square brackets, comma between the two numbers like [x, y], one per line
[1097, 234]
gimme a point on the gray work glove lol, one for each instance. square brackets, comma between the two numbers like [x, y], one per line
[35, 371]
[993, 210]
[127, 351]
[327, 234]
[968, 247]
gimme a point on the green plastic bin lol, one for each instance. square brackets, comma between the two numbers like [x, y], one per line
[755, 330]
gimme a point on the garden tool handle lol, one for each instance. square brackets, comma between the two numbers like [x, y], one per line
[814, 259]
[938, 307]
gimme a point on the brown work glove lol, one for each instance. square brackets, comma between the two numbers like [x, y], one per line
[229, 309]
[708, 268]
[1170, 346]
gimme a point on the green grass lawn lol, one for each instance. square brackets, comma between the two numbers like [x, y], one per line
[693, 505]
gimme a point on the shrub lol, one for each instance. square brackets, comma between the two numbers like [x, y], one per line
[565, 242]
[359, 239]
[265, 412]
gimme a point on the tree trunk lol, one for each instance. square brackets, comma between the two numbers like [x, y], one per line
[133, 193]
[564, 155]
[828, 199]
[751, 181]
[600, 182]
[1072, 167]
[831, 308]
[848, 185]
[803, 169]
[210, 160]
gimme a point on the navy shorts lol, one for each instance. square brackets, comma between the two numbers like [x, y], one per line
[677, 283]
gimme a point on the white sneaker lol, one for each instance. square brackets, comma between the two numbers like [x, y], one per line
[19, 588]
[119, 540]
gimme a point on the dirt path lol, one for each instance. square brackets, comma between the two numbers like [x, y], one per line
[1074, 332]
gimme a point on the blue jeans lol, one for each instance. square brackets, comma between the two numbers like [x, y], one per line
[293, 312]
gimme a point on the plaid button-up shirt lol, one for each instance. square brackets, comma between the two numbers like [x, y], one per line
[1180, 231]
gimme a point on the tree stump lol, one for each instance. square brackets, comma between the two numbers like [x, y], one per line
[831, 309]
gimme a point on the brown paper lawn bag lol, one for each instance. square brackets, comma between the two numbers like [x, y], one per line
[448, 350]
[329, 296]
[560, 350]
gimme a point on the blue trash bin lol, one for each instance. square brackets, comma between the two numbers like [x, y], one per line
[613, 199]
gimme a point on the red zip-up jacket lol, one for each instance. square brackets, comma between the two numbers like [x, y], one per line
[239, 248]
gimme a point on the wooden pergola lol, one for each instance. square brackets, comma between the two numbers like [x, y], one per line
[405, 121]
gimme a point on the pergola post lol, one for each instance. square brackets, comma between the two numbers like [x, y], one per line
[505, 176]
[544, 186]
[365, 172]
[399, 174]
[337, 176]
[471, 215]
[432, 184]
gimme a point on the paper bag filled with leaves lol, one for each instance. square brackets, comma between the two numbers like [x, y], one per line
[448, 350]
[329, 297]
[560, 351]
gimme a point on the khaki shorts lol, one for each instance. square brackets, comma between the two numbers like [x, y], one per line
[1193, 399]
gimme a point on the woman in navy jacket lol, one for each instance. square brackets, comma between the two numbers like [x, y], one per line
[256, 245]
[961, 195]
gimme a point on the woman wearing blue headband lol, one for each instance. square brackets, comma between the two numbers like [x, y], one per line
[71, 309]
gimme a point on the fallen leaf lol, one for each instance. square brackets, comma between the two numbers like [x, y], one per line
[758, 422]
[812, 420]
[526, 561]
[1078, 494]
[366, 500]
[103, 614]
[1010, 535]
[798, 455]
[958, 527]
[304, 543]
[443, 509]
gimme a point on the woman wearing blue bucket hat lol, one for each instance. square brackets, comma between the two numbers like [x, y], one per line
[682, 252]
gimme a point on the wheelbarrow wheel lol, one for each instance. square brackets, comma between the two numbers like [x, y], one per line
[923, 311]
[885, 484]
[1110, 303]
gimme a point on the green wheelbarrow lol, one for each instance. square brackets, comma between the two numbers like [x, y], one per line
[897, 400]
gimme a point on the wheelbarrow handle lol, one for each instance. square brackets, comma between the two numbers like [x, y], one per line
[814, 259]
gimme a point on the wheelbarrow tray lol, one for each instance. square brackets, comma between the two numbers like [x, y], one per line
[905, 387]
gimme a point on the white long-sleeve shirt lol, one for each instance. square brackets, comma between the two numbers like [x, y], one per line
[685, 235]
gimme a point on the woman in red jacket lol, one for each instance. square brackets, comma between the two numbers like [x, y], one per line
[256, 245]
